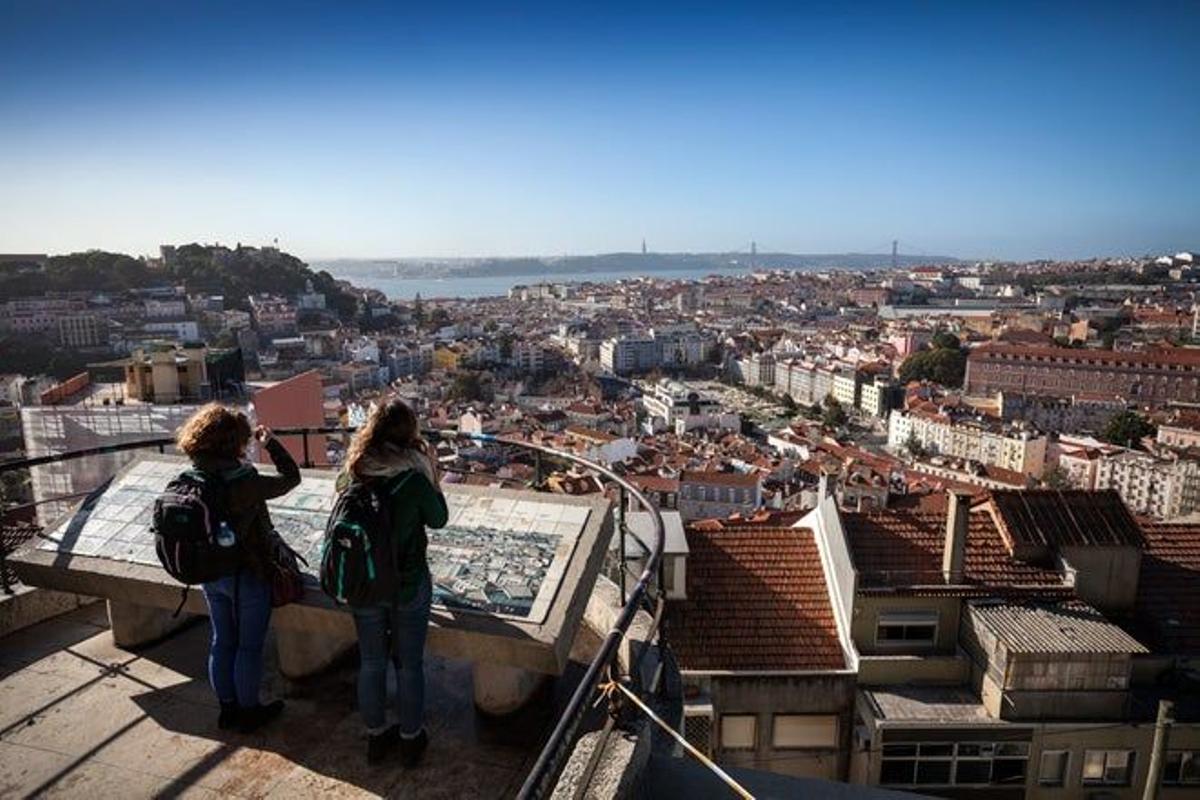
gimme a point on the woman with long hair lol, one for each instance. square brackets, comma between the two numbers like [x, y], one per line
[388, 451]
[239, 605]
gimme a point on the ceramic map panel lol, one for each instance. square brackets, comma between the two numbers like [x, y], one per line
[499, 555]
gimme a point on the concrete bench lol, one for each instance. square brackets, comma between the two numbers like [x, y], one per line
[513, 572]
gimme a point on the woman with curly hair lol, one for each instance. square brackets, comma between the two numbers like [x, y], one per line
[388, 452]
[239, 605]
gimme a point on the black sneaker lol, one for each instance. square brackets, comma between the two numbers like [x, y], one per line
[411, 749]
[228, 718]
[379, 745]
[251, 719]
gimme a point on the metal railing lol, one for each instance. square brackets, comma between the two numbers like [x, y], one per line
[543, 776]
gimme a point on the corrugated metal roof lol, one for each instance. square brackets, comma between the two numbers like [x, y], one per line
[1053, 629]
[1064, 518]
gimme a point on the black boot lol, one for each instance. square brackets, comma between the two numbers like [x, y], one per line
[379, 745]
[228, 718]
[411, 749]
[251, 719]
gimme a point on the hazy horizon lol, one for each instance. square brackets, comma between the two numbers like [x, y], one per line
[1016, 132]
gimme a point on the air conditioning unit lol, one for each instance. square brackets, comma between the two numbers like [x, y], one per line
[698, 726]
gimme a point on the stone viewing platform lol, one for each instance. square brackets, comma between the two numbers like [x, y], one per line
[82, 717]
[513, 572]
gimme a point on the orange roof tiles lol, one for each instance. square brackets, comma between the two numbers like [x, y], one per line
[1168, 600]
[896, 549]
[756, 600]
[1176, 355]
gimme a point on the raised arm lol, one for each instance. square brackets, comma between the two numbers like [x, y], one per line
[432, 503]
[271, 486]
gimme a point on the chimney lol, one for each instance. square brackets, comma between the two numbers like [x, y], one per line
[825, 484]
[954, 551]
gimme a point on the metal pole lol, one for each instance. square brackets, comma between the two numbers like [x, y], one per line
[307, 461]
[621, 530]
[1162, 729]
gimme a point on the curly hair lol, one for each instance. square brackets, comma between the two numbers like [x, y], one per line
[391, 423]
[215, 431]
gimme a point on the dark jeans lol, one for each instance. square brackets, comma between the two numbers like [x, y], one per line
[235, 659]
[393, 632]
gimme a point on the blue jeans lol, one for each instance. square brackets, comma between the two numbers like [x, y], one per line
[235, 659]
[393, 632]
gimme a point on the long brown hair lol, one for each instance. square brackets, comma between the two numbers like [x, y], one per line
[215, 431]
[392, 423]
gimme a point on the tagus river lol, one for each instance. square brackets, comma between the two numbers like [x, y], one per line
[498, 285]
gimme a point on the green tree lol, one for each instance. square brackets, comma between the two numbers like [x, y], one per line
[834, 416]
[941, 365]
[1056, 477]
[1127, 429]
[913, 445]
[944, 340]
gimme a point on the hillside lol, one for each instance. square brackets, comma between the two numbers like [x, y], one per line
[235, 273]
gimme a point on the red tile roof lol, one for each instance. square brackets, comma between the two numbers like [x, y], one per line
[898, 549]
[756, 600]
[1173, 355]
[1168, 601]
[714, 478]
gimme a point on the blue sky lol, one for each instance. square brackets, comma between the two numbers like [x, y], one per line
[355, 129]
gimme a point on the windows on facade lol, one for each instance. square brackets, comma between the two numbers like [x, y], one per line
[1107, 767]
[899, 628]
[1053, 768]
[738, 731]
[799, 731]
[958, 764]
[1181, 768]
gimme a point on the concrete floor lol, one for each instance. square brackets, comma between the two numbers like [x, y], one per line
[80, 717]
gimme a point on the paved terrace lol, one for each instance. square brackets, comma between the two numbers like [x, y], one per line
[80, 717]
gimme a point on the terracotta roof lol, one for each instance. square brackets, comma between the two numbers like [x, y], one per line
[719, 478]
[894, 549]
[1168, 601]
[756, 600]
[654, 483]
[1175, 355]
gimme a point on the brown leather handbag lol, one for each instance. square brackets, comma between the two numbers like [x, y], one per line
[287, 583]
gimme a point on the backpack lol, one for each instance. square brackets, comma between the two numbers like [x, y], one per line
[360, 562]
[187, 521]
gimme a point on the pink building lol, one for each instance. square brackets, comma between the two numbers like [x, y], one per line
[297, 402]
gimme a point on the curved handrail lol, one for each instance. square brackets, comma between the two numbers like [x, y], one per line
[540, 780]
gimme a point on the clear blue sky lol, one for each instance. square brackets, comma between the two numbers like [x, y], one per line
[351, 129]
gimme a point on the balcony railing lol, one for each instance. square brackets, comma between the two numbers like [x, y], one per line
[645, 593]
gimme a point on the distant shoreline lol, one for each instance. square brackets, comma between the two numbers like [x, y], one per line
[644, 263]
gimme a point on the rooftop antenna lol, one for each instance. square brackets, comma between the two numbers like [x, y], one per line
[895, 243]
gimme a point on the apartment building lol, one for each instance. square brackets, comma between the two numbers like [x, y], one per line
[168, 374]
[1146, 377]
[1011, 647]
[629, 354]
[1163, 488]
[707, 494]
[950, 432]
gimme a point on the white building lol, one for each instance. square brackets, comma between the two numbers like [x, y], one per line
[627, 354]
[938, 432]
[675, 406]
[1162, 488]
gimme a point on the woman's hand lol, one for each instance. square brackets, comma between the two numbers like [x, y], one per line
[263, 434]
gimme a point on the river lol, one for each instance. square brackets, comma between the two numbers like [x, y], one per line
[498, 285]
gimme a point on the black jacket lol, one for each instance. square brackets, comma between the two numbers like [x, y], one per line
[249, 492]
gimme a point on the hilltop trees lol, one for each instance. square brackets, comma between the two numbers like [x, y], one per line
[1127, 429]
[944, 363]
